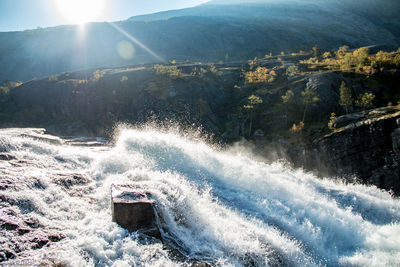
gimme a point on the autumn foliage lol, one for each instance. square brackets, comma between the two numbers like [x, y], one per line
[260, 75]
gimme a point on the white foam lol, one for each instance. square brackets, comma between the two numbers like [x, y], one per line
[218, 206]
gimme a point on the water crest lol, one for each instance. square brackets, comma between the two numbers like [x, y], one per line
[220, 207]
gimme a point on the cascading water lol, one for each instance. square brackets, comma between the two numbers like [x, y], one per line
[217, 206]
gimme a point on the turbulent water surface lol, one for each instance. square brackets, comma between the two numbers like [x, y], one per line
[219, 207]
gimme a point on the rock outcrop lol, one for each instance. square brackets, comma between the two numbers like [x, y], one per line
[367, 148]
[90, 103]
[21, 232]
[134, 210]
[396, 139]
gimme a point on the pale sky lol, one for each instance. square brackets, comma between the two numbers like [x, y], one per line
[16, 15]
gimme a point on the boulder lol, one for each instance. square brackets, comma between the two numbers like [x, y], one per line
[345, 120]
[7, 157]
[133, 210]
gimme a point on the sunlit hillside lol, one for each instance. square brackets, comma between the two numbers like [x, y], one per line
[210, 32]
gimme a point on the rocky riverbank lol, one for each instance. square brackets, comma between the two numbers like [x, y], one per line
[211, 207]
[366, 146]
[363, 148]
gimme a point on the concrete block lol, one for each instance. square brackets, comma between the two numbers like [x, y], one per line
[133, 210]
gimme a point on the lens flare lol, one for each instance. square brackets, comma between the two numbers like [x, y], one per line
[125, 50]
[136, 41]
[80, 11]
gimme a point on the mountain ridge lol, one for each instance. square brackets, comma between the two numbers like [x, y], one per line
[208, 33]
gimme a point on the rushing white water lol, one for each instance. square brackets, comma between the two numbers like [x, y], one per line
[219, 207]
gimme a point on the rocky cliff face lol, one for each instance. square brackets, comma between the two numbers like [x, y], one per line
[90, 103]
[366, 147]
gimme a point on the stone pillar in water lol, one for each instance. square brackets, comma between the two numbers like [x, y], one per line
[133, 210]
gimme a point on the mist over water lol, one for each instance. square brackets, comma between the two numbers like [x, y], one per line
[215, 206]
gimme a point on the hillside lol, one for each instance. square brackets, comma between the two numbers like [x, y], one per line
[283, 104]
[219, 30]
[91, 102]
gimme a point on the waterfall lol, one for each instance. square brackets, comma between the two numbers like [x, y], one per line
[217, 206]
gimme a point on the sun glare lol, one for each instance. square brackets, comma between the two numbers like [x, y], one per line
[80, 11]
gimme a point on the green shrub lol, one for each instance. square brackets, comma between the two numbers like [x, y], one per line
[292, 70]
[365, 100]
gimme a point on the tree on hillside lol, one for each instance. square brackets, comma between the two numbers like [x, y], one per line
[365, 100]
[327, 55]
[292, 70]
[348, 61]
[260, 75]
[346, 99]
[342, 51]
[309, 99]
[317, 53]
[252, 102]
[287, 99]
[4, 90]
[361, 56]
[296, 128]
[10, 84]
[396, 61]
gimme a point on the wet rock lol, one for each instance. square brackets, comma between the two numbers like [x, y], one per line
[4, 186]
[133, 210]
[39, 242]
[39, 135]
[201, 264]
[39, 184]
[32, 222]
[22, 231]
[9, 225]
[6, 183]
[6, 255]
[69, 181]
[8, 220]
[26, 205]
[55, 237]
[5, 156]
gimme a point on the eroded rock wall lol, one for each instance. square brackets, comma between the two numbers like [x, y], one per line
[367, 149]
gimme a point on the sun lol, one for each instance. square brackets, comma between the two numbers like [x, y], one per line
[80, 11]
